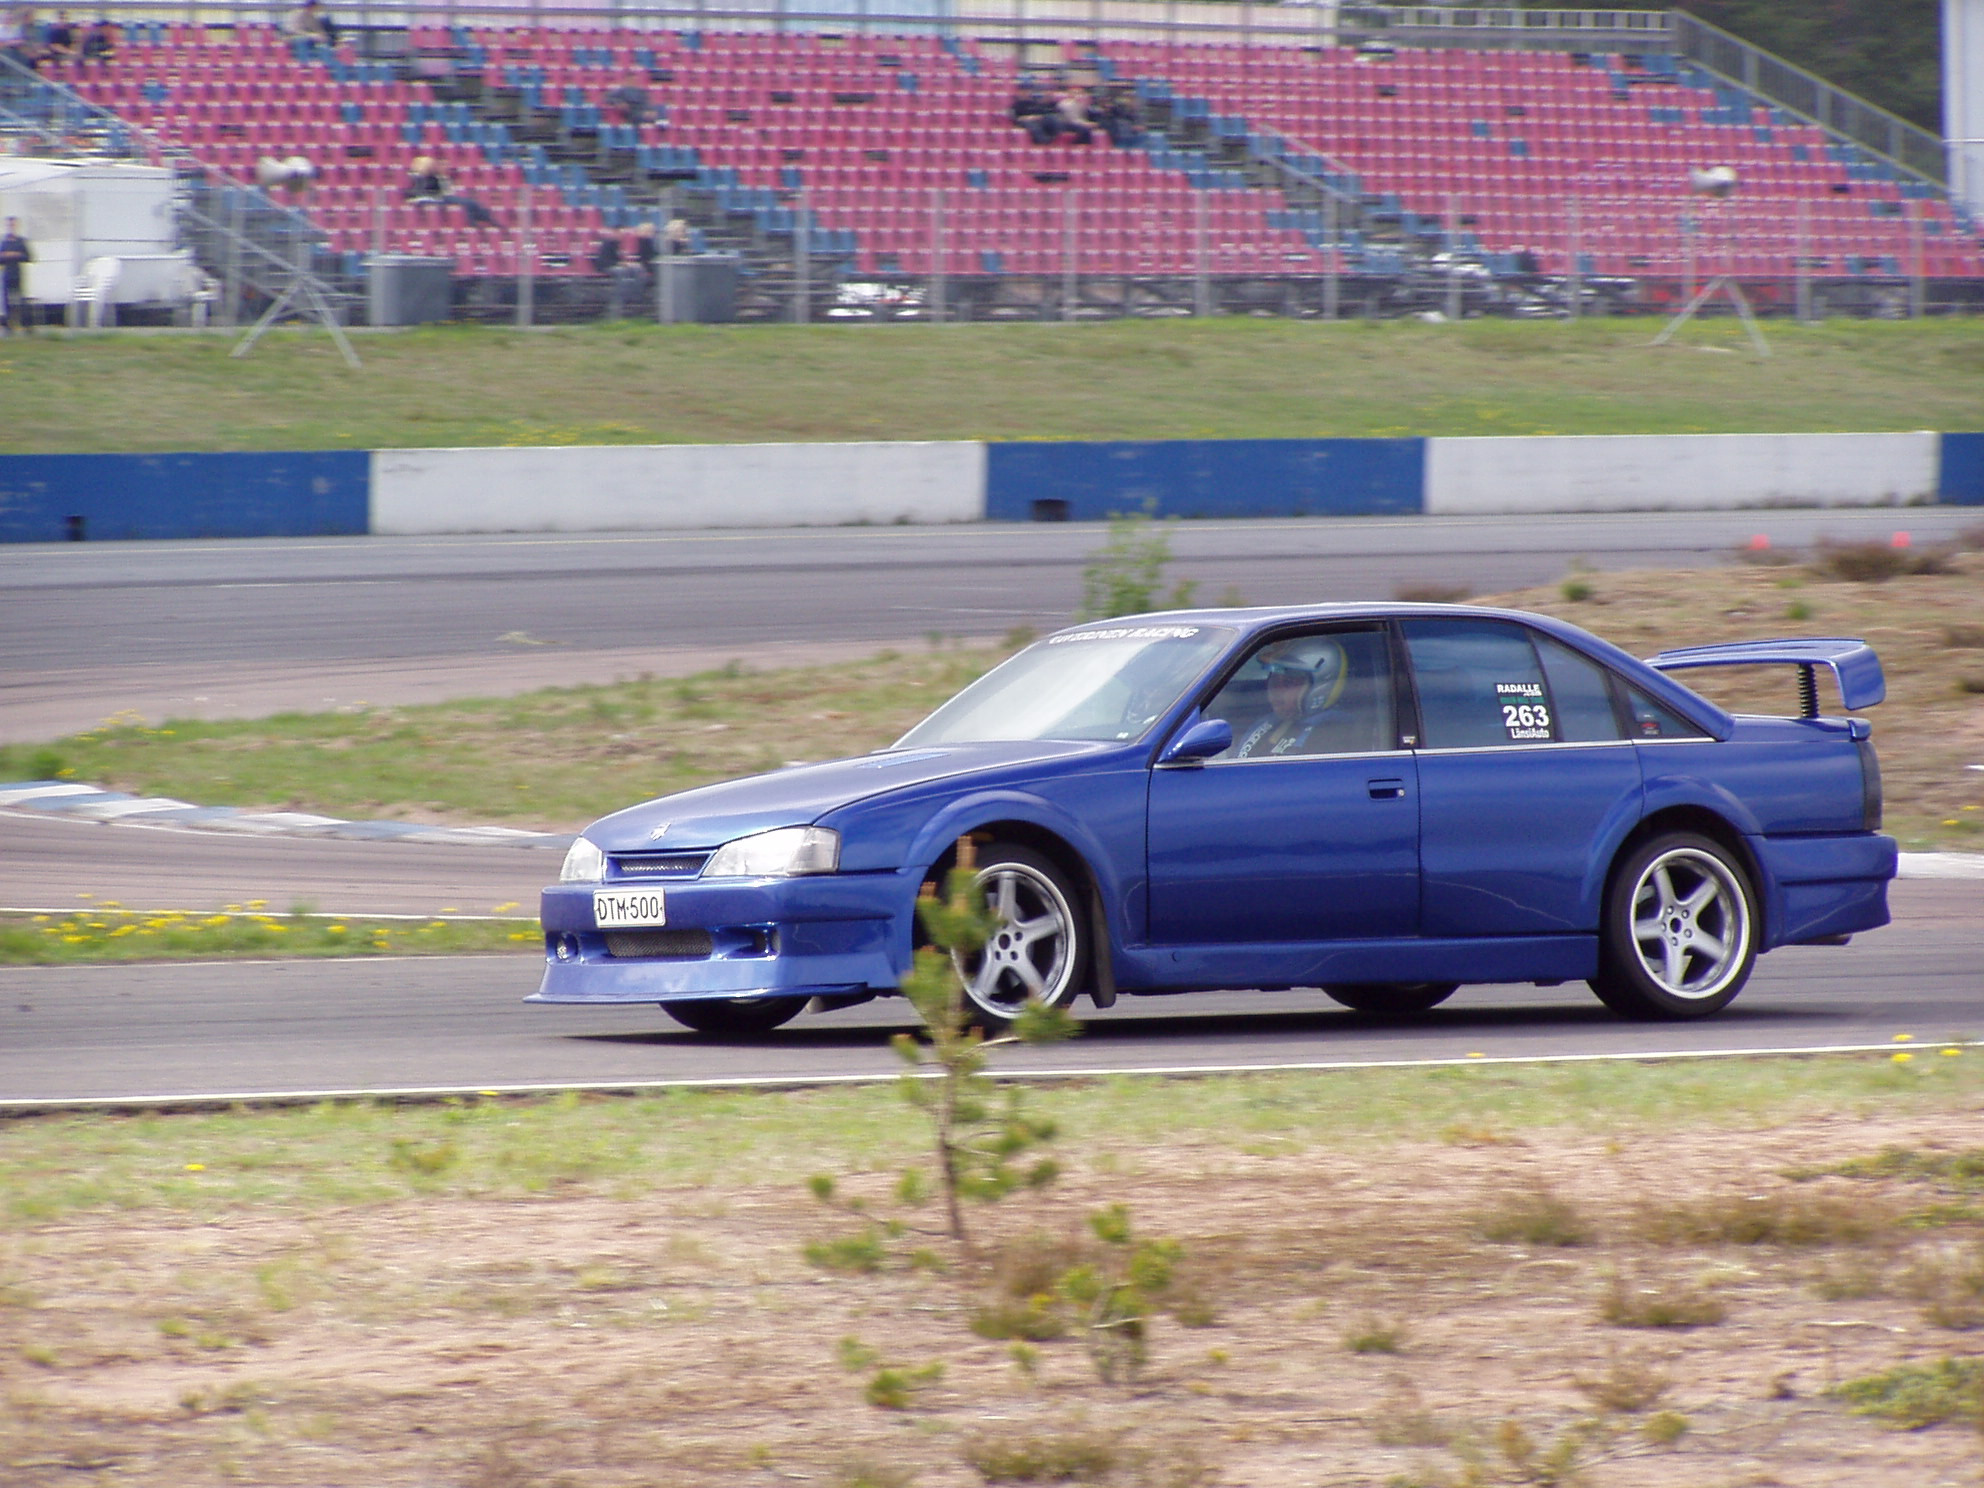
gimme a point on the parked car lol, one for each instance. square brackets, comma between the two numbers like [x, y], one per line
[1380, 801]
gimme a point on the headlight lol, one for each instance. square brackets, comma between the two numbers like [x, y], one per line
[584, 863]
[782, 854]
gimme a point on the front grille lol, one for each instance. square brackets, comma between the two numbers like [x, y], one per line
[658, 945]
[659, 865]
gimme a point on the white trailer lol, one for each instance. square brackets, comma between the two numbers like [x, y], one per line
[76, 212]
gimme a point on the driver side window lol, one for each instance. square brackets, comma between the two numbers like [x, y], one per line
[1326, 692]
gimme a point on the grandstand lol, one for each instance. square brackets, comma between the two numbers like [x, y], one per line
[859, 173]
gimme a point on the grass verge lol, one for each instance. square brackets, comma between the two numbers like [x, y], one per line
[1237, 378]
[106, 931]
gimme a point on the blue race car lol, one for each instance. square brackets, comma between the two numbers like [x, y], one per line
[1381, 801]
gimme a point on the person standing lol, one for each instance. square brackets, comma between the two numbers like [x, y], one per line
[14, 255]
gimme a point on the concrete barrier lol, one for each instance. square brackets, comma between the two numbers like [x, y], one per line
[1678, 472]
[1086, 482]
[660, 487]
[58, 498]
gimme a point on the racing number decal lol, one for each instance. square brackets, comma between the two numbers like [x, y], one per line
[1525, 714]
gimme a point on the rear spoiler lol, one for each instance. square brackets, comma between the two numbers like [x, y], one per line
[1852, 663]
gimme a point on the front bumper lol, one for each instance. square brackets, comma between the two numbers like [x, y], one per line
[783, 937]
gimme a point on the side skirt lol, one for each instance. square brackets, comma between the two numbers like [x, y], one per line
[1515, 958]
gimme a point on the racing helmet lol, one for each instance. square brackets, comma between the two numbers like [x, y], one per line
[1319, 662]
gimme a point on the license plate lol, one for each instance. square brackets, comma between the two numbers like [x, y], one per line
[613, 908]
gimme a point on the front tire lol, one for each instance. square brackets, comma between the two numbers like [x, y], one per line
[1394, 999]
[739, 1016]
[1679, 935]
[1039, 949]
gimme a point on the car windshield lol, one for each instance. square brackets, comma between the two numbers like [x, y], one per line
[1107, 682]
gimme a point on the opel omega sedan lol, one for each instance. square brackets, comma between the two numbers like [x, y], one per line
[1382, 802]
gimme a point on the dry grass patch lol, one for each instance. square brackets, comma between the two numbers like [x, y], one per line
[1781, 1217]
[648, 1322]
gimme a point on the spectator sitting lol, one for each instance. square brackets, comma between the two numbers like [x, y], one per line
[425, 183]
[100, 41]
[59, 41]
[293, 173]
[20, 39]
[631, 98]
[606, 255]
[308, 20]
[676, 237]
[1033, 111]
[1117, 115]
[1071, 113]
[646, 248]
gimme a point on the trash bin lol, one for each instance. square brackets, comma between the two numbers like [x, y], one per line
[403, 290]
[701, 288]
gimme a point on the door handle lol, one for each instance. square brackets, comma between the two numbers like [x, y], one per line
[1386, 790]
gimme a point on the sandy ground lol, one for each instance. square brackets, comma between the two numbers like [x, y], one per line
[677, 1337]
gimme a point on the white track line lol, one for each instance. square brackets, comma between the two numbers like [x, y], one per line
[807, 1082]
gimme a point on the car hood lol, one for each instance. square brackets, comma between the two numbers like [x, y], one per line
[712, 815]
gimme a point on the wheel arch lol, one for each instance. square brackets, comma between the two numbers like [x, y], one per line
[1718, 829]
[1100, 979]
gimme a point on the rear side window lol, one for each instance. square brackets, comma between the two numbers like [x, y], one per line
[1581, 693]
[1480, 685]
[1651, 720]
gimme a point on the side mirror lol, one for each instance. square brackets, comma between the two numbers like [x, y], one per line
[1199, 743]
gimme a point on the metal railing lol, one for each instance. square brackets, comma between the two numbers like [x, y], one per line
[1499, 27]
[1893, 138]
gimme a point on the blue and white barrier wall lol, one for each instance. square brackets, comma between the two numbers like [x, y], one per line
[52, 498]
[56, 498]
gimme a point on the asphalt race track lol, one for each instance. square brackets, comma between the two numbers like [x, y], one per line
[206, 629]
[295, 1028]
[252, 626]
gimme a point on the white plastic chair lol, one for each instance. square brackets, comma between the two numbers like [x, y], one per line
[94, 287]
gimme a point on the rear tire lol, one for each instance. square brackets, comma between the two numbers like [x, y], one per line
[1392, 998]
[1679, 934]
[735, 1015]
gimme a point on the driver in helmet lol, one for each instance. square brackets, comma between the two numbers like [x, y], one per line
[1305, 680]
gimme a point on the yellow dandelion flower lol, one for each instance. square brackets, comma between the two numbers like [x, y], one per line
[1903, 1057]
[1951, 1053]
[196, 1167]
[108, 904]
[1903, 1038]
[214, 922]
[258, 904]
[336, 929]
